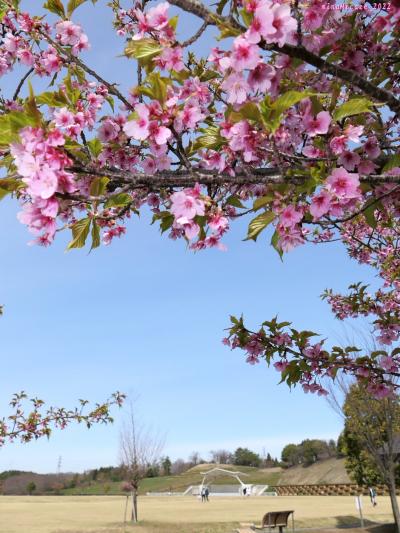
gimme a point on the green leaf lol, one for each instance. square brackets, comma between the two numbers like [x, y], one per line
[158, 86]
[72, 5]
[393, 162]
[173, 22]
[9, 185]
[95, 147]
[369, 214]
[211, 139]
[3, 10]
[57, 99]
[144, 50]
[56, 7]
[289, 99]
[227, 31]
[80, 231]
[95, 235]
[166, 222]
[246, 17]
[258, 224]
[275, 244]
[355, 106]
[234, 200]
[271, 112]
[262, 201]
[99, 186]
[11, 123]
[110, 101]
[31, 109]
[118, 200]
[249, 111]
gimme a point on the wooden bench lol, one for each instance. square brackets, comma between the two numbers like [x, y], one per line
[275, 519]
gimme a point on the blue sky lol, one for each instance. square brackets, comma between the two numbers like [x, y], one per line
[146, 316]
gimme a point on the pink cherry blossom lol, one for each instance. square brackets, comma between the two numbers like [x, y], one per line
[318, 125]
[289, 240]
[108, 131]
[63, 118]
[259, 78]
[290, 216]
[25, 56]
[284, 25]
[353, 133]
[44, 183]
[371, 147]
[244, 55]
[281, 366]
[171, 59]
[320, 204]
[157, 17]
[338, 144]
[262, 23]
[68, 33]
[138, 129]
[218, 223]
[388, 364]
[185, 206]
[313, 17]
[343, 184]
[188, 118]
[349, 160]
[366, 167]
[160, 134]
[236, 87]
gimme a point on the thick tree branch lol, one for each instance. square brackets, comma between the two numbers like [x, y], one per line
[184, 178]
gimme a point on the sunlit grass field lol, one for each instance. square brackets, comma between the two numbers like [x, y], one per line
[105, 514]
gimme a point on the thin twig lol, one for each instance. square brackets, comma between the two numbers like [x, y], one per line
[21, 83]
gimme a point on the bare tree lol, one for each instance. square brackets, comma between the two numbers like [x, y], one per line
[179, 466]
[195, 459]
[222, 457]
[140, 448]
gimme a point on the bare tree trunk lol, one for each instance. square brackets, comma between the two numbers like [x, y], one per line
[393, 499]
[134, 506]
[126, 509]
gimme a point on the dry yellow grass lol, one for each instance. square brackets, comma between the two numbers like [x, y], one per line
[101, 514]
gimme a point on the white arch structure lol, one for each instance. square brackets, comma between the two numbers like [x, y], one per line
[215, 472]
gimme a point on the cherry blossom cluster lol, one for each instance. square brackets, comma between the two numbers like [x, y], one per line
[42, 165]
[287, 119]
[16, 46]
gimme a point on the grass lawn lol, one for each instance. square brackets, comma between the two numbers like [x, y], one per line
[104, 514]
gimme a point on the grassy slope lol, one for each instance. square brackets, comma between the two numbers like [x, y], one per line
[267, 476]
[329, 471]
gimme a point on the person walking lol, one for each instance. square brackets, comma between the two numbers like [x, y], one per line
[203, 494]
[372, 495]
[206, 493]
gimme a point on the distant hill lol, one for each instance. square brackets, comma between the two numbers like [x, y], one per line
[322, 472]
[326, 471]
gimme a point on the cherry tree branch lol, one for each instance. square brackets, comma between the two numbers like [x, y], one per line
[299, 52]
[189, 178]
[73, 59]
